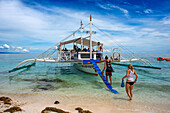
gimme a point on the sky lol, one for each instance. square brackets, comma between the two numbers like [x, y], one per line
[142, 26]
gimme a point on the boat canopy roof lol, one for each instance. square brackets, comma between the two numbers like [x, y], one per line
[86, 42]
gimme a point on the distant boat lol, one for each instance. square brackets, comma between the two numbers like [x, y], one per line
[161, 59]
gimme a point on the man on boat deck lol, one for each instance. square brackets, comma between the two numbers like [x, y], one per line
[75, 47]
[109, 69]
[99, 47]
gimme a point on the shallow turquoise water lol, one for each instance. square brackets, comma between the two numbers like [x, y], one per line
[51, 77]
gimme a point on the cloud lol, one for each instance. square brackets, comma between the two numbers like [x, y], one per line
[103, 7]
[25, 50]
[147, 29]
[30, 25]
[159, 34]
[19, 47]
[110, 6]
[126, 13]
[1, 47]
[148, 11]
[6, 46]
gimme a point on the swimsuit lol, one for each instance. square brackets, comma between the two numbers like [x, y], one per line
[130, 77]
[130, 83]
[109, 69]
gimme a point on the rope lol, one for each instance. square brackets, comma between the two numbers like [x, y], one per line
[59, 42]
[52, 53]
[103, 48]
[118, 43]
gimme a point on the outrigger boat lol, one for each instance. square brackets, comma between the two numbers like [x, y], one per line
[87, 60]
[161, 59]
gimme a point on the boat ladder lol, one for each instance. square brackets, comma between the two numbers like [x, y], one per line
[103, 77]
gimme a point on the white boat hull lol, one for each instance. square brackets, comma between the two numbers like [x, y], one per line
[88, 68]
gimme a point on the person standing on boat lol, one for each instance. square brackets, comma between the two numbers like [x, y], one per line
[130, 80]
[109, 69]
[99, 47]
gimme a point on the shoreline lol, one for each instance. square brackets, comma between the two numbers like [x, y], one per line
[36, 102]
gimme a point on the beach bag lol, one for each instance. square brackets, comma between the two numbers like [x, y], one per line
[122, 84]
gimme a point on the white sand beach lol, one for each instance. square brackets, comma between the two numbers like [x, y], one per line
[36, 102]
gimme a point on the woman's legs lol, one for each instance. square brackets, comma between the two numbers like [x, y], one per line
[107, 79]
[110, 80]
[110, 76]
[127, 88]
[131, 93]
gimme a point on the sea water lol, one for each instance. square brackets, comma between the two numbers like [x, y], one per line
[153, 85]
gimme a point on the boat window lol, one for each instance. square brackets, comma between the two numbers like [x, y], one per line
[86, 55]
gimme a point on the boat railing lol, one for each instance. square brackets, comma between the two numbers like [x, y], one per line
[143, 61]
[65, 56]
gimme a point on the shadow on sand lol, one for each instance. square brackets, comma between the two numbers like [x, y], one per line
[121, 99]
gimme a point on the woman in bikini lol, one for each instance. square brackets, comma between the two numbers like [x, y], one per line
[130, 80]
[109, 69]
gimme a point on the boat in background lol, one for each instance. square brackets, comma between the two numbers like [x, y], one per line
[161, 59]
